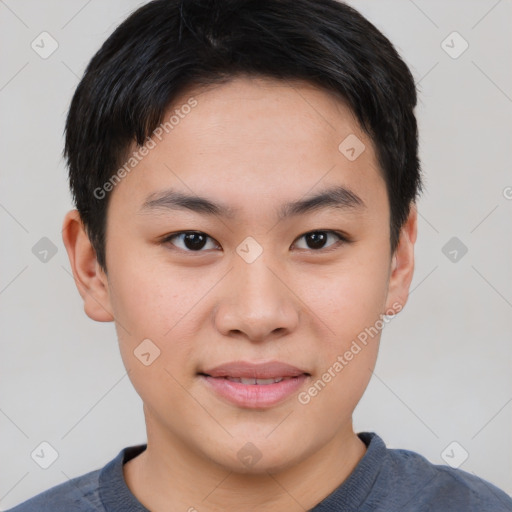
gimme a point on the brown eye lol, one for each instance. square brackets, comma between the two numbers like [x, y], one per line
[193, 241]
[317, 240]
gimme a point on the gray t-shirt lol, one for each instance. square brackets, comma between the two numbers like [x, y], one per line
[385, 480]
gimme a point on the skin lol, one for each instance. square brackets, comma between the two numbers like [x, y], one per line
[252, 144]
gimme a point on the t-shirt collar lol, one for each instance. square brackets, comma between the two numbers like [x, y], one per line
[117, 497]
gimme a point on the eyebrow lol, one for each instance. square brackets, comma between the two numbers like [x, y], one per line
[338, 197]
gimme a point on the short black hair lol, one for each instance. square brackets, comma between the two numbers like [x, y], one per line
[167, 46]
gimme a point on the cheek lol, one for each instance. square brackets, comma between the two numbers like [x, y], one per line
[150, 303]
[350, 298]
[349, 302]
[151, 297]
[350, 306]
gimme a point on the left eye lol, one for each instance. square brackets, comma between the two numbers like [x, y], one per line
[318, 239]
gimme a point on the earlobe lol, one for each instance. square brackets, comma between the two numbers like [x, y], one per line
[90, 278]
[402, 264]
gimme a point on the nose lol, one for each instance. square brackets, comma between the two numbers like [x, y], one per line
[256, 303]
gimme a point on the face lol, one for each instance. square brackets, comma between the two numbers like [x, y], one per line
[252, 254]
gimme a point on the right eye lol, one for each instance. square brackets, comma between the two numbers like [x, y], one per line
[191, 241]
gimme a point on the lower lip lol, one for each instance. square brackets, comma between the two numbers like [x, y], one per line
[255, 396]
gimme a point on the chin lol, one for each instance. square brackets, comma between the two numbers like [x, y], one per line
[259, 456]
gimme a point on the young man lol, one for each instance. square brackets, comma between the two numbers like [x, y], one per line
[245, 176]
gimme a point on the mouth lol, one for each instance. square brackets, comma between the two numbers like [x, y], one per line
[254, 385]
[252, 382]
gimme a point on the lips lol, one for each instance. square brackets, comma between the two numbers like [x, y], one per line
[251, 381]
[254, 385]
[255, 373]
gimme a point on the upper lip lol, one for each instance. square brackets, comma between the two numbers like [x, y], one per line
[248, 370]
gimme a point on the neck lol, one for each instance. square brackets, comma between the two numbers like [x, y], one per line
[170, 476]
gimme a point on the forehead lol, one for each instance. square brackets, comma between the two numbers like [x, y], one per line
[256, 138]
[247, 109]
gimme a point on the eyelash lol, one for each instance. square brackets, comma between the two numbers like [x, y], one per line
[342, 240]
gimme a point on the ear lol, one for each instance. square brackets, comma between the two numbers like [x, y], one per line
[90, 279]
[402, 264]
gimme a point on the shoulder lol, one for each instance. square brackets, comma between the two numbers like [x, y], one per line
[78, 494]
[88, 492]
[426, 486]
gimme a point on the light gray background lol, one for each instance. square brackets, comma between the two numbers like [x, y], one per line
[444, 372]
